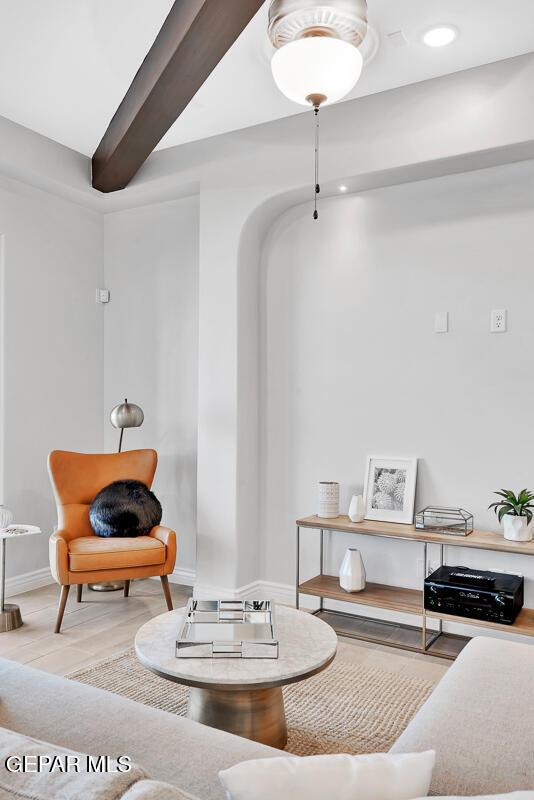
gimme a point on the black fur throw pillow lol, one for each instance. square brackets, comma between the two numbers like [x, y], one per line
[125, 508]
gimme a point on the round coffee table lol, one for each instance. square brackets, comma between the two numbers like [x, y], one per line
[239, 695]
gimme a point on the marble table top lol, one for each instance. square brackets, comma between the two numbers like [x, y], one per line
[306, 646]
[17, 531]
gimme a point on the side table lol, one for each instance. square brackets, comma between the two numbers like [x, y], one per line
[10, 616]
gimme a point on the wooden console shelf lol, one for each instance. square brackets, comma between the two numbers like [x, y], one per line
[523, 625]
[400, 599]
[393, 598]
[481, 540]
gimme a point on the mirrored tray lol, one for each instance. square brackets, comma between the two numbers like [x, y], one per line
[228, 629]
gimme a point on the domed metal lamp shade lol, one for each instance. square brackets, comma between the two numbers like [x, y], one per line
[126, 415]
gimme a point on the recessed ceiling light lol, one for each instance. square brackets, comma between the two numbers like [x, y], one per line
[440, 36]
[343, 188]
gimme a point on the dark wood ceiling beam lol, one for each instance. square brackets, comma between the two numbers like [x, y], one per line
[192, 41]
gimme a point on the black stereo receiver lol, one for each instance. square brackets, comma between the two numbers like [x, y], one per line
[466, 592]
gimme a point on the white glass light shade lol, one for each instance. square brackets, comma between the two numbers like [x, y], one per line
[316, 65]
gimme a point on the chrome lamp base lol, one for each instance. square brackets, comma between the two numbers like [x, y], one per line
[107, 586]
[10, 618]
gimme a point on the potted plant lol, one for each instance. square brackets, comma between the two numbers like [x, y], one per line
[515, 514]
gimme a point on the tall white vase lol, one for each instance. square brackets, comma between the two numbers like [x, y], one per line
[356, 508]
[328, 500]
[352, 571]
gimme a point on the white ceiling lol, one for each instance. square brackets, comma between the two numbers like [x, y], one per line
[66, 64]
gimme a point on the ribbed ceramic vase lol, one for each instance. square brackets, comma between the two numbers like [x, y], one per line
[6, 517]
[352, 571]
[328, 500]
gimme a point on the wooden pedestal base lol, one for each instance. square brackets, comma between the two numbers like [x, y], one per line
[256, 714]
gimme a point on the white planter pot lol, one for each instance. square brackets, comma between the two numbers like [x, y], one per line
[517, 529]
[328, 500]
[356, 508]
[6, 517]
[352, 572]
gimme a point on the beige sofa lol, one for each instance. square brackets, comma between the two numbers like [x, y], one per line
[479, 719]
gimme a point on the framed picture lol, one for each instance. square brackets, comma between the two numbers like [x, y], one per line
[389, 492]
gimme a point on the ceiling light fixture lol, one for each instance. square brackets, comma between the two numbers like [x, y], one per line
[342, 188]
[317, 68]
[317, 61]
[440, 36]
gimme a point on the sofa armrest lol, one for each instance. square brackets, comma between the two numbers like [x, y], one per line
[59, 556]
[168, 538]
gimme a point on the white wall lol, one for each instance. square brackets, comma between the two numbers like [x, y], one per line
[455, 123]
[351, 366]
[151, 348]
[52, 380]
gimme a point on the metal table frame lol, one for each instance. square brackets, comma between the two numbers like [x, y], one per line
[426, 642]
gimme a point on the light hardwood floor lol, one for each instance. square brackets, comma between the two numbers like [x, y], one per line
[105, 623]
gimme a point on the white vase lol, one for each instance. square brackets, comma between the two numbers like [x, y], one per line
[356, 508]
[352, 572]
[6, 517]
[328, 500]
[517, 529]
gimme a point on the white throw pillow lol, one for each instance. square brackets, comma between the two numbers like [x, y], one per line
[155, 790]
[382, 776]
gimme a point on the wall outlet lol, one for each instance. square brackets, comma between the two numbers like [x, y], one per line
[102, 296]
[498, 320]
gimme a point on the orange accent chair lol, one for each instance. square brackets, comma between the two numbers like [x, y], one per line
[77, 555]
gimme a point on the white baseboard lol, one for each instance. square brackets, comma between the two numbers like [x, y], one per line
[268, 590]
[43, 577]
[185, 577]
[28, 581]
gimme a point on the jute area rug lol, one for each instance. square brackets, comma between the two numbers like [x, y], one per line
[348, 708]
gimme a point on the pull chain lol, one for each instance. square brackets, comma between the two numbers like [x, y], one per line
[317, 186]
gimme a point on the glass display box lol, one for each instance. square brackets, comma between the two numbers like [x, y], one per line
[442, 519]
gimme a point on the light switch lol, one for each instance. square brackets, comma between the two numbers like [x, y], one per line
[441, 322]
[102, 296]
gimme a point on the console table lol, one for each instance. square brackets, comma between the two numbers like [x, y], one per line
[398, 598]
